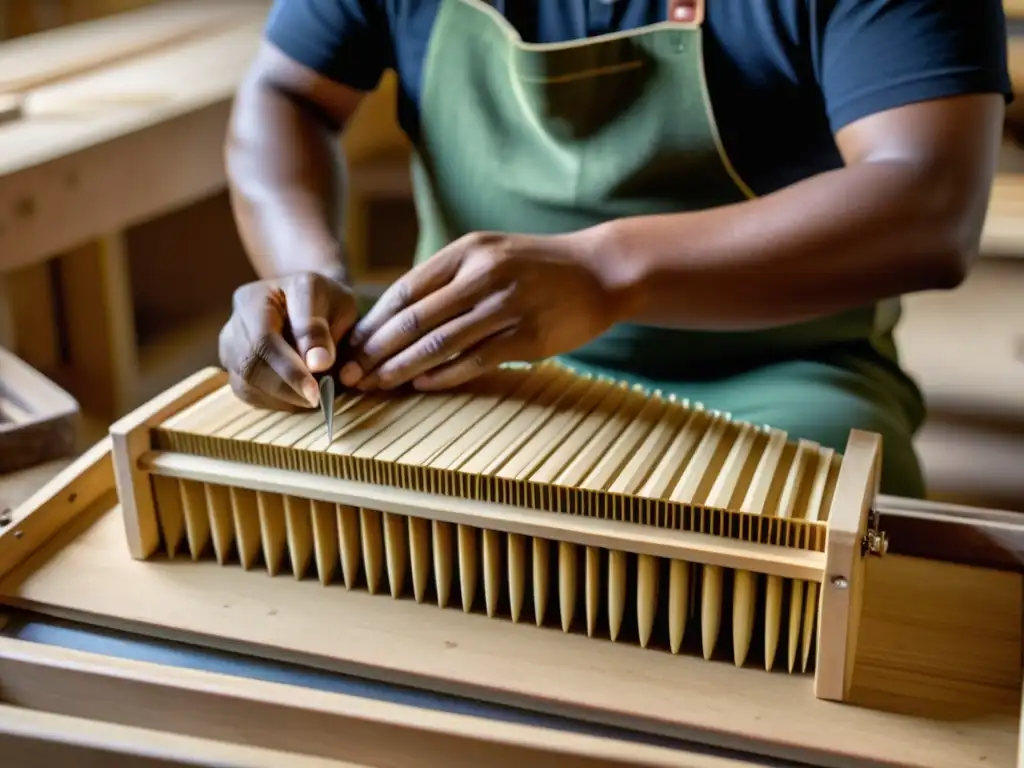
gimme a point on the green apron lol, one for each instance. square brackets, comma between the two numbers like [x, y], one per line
[552, 138]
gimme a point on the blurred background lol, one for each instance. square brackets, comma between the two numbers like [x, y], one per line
[118, 254]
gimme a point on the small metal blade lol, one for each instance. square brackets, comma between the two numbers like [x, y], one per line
[327, 404]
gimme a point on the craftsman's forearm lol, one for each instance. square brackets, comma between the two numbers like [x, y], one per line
[286, 183]
[833, 242]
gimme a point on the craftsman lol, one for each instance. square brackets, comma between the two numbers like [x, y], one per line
[720, 199]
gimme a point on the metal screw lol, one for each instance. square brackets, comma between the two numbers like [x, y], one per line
[18, 534]
[840, 582]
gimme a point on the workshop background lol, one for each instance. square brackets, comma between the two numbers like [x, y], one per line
[114, 204]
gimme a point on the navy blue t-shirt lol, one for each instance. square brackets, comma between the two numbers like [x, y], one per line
[783, 75]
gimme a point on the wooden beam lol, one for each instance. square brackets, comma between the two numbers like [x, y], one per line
[38, 60]
[95, 154]
[302, 723]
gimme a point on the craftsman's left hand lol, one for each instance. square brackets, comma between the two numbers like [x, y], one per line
[484, 300]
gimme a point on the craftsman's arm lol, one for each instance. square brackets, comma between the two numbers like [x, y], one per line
[905, 214]
[284, 164]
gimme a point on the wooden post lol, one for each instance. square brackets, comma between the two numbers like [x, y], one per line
[130, 439]
[99, 319]
[842, 588]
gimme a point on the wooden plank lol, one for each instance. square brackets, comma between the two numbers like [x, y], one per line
[81, 572]
[688, 546]
[35, 338]
[303, 723]
[104, 105]
[110, 186]
[923, 533]
[99, 322]
[29, 739]
[103, 151]
[35, 519]
[42, 59]
[130, 438]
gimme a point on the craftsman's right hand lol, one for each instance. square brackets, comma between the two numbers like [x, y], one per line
[281, 332]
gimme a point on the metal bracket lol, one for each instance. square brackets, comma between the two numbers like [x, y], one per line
[875, 541]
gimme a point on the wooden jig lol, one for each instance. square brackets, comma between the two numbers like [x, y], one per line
[532, 483]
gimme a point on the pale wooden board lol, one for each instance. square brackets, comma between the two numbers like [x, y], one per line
[97, 152]
[42, 739]
[34, 60]
[99, 106]
[86, 573]
[301, 721]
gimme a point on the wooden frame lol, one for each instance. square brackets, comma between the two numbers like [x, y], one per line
[114, 705]
[66, 555]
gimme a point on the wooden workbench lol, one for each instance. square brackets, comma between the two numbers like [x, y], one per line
[116, 159]
[100, 147]
[71, 693]
[122, 121]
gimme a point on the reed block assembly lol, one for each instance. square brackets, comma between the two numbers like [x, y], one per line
[534, 494]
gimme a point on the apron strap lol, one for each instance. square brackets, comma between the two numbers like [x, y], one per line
[689, 12]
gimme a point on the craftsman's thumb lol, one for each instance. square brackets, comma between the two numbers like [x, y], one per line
[315, 345]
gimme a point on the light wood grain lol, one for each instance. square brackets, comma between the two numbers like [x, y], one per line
[130, 438]
[30, 739]
[96, 298]
[651, 540]
[45, 509]
[37, 60]
[96, 152]
[87, 573]
[301, 722]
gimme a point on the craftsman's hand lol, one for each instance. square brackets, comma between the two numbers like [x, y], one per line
[281, 332]
[484, 300]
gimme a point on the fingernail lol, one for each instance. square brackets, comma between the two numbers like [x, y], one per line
[351, 373]
[312, 392]
[318, 359]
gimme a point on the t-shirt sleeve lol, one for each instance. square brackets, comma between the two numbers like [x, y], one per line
[875, 55]
[345, 40]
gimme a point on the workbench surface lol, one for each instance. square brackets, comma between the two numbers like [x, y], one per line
[49, 631]
[53, 632]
